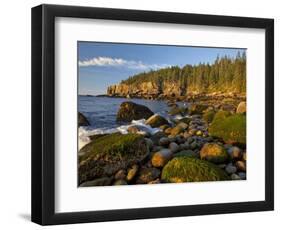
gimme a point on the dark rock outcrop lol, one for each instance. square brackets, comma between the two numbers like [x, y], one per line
[129, 111]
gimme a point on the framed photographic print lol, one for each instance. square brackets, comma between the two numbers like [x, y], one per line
[142, 114]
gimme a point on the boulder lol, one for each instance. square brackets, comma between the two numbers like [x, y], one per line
[156, 121]
[109, 154]
[190, 169]
[232, 129]
[213, 152]
[82, 120]
[160, 158]
[241, 108]
[129, 111]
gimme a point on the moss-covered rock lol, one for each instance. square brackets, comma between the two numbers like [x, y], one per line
[82, 120]
[156, 121]
[108, 154]
[232, 129]
[221, 114]
[209, 115]
[190, 169]
[213, 152]
[186, 153]
[129, 111]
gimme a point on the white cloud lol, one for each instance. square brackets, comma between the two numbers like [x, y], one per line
[119, 62]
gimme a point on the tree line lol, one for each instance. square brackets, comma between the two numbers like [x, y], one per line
[225, 74]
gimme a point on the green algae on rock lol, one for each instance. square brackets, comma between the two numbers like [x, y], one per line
[232, 129]
[108, 154]
[190, 169]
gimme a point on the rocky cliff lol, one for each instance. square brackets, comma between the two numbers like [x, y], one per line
[225, 75]
[146, 90]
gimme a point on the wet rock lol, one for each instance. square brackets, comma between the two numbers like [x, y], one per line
[129, 111]
[82, 120]
[156, 121]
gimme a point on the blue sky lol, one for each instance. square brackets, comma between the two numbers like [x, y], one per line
[104, 64]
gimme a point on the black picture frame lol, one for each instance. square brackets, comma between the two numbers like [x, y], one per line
[43, 114]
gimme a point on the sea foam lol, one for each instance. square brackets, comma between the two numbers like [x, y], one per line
[86, 132]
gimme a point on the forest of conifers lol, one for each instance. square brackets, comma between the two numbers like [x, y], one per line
[225, 74]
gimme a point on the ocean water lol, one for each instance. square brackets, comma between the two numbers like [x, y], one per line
[101, 113]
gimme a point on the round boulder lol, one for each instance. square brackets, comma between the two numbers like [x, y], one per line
[129, 111]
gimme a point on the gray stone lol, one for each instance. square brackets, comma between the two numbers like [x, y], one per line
[174, 147]
[164, 141]
[230, 169]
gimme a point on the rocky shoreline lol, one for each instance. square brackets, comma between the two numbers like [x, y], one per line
[205, 141]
